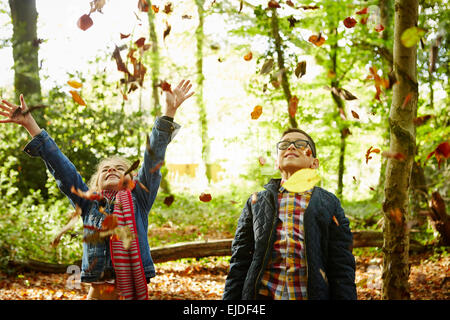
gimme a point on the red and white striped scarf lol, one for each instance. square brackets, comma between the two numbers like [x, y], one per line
[130, 276]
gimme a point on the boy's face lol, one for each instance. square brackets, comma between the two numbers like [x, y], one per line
[293, 159]
[110, 174]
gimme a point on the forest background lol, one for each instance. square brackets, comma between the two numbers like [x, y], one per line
[259, 67]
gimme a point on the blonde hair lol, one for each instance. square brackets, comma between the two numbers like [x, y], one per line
[93, 182]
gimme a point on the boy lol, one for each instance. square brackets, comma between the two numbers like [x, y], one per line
[292, 246]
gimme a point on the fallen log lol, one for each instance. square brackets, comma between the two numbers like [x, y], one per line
[200, 249]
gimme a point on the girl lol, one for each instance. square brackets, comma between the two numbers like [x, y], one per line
[120, 265]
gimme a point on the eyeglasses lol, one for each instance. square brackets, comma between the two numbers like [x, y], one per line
[283, 145]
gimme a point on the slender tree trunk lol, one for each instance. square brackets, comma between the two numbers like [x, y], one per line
[25, 45]
[155, 60]
[203, 121]
[398, 173]
[280, 62]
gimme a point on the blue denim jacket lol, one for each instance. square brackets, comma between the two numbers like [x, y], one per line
[96, 261]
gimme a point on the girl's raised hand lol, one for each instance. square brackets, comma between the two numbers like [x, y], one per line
[177, 96]
[20, 115]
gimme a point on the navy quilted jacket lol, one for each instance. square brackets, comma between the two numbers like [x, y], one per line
[330, 262]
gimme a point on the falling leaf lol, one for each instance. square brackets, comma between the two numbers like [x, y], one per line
[292, 21]
[441, 152]
[205, 197]
[394, 155]
[119, 62]
[267, 66]
[124, 36]
[262, 161]
[362, 11]
[349, 22]
[396, 215]
[165, 86]
[74, 84]
[143, 5]
[335, 221]
[140, 42]
[89, 195]
[72, 221]
[369, 151]
[379, 27]
[273, 4]
[110, 222]
[309, 7]
[186, 16]
[256, 113]
[167, 31]
[317, 40]
[355, 115]
[290, 3]
[77, 98]
[168, 8]
[156, 167]
[302, 180]
[347, 95]
[254, 197]
[421, 120]
[300, 70]
[411, 36]
[169, 200]
[363, 20]
[84, 22]
[97, 5]
[248, 56]
[407, 99]
[275, 84]
[293, 105]
[354, 179]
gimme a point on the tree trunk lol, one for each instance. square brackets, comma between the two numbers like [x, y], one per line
[203, 121]
[280, 62]
[155, 60]
[25, 45]
[398, 173]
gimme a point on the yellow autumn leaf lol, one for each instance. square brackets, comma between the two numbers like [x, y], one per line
[74, 84]
[77, 98]
[302, 180]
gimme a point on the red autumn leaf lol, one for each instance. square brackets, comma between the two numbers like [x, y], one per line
[77, 98]
[156, 167]
[120, 64]
[335, 221]
[155, 8]
[89, 195]
[369, 151]
[371, 188]
[379, 27]
[362, 11]
[110, 222]
[273, 4]
[363, 20]
[441, 152]
[248, 56]
[256, 113]
[205, 197]
[143, 5]
[394, 155]
[349, 22]
[84, 22]
[355, 115]
[290, 3]
[396, 215]
[169, 200]
[421, 120]
[165, 86]
[124, 36]
[140, 42]
[293, 105]
[317, 40]
[407, 99]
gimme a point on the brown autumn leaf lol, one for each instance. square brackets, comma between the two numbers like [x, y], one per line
[293, 105]
[394, 155]
[300, 70]
[84, 22]
[369, 151]
[396, 215]
[143, 5]
[347, 95]
[254, 197]
[267, 66]
[168, 8]
[256, 113]
[124, 36]
[273, 4]
[77, 98]
[110, 222]
[119, 62]
[317, 40]
[349, 22]
[248, 56]
[290, 3]
[335, 221]
[167, 31]
[155, 8]
[422, 119]
[441, 152]
[355, 115]
[140, 42]
[97, 5]
[165, 86]
[205, 197]
[169, 200]
[156, 167]
[407, 99]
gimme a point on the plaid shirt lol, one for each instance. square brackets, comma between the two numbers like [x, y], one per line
[285, 277]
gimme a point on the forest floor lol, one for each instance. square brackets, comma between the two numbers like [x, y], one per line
[189, 279]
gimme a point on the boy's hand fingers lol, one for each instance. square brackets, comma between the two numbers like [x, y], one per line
[9, 104]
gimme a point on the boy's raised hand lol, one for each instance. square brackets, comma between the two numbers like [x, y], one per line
[177, 96]
[20, 115]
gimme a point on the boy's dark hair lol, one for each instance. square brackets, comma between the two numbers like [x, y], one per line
[311, 141]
